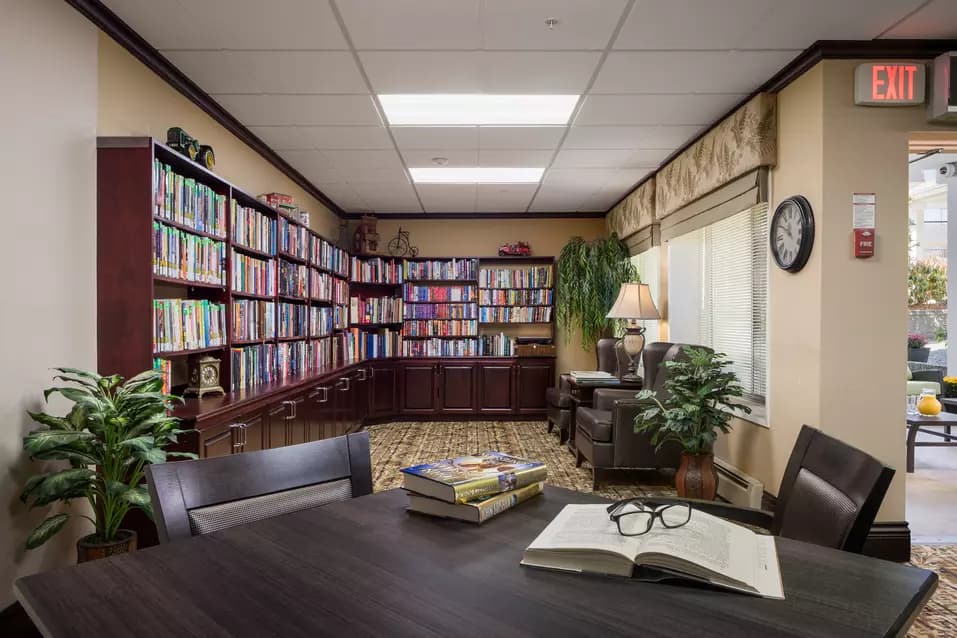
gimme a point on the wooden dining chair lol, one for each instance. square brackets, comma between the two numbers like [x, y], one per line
[198, 497]
[829, 495]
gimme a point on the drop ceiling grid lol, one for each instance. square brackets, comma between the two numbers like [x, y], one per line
[303, 76]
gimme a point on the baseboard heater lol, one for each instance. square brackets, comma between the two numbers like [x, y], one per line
[736, 487]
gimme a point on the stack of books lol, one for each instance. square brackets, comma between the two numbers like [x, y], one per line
[593, 376]
[473, 488]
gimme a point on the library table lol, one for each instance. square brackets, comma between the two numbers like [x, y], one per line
[367, 567]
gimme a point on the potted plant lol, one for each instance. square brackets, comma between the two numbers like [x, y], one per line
[917, 349]
[700, 399]
[112, 431]
[950, 387]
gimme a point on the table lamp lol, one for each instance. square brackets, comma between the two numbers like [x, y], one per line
[633, 304]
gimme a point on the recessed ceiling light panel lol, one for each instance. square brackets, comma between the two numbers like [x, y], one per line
[476, 175]
[477, 109]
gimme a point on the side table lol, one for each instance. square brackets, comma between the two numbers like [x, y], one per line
[581, 394]
[920, 423]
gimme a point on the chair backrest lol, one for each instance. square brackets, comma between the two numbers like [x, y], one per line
[830, 492]
[607, 357]
[199, 497]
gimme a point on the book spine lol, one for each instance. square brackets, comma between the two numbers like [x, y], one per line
[507, 500]
[487, 486]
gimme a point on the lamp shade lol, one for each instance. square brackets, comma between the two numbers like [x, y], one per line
[634, 302]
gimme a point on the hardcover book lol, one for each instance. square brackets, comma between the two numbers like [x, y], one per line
[466, 478]
[476, 511]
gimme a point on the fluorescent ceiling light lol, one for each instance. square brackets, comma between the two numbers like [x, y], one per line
[478, 109]
[476, 175]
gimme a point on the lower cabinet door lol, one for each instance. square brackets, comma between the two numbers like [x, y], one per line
[456, 388]
[418, 388]
[250, 433]
[533, 378]
[296, 423]
[383, 391]
[216, 441]
[317, 409]
[275, 425]
[496, 390]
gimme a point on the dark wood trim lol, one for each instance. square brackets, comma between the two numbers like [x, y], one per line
[518, 215]
[820, 50]
[125, 36]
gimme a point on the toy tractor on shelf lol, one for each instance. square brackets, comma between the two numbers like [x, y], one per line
[183, 143]
[520, 249]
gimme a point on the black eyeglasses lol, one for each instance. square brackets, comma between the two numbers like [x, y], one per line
[638, 519]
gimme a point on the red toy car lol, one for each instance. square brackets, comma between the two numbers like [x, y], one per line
[521, 249]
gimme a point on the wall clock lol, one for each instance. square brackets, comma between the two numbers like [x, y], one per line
[792, 233]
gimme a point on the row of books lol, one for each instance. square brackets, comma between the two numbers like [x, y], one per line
[441, 269]
[330, 257]
[375, 310]
[473, 488]
[376, 270]
[253, 320]
[319, 355]
[321, 321]
[375, 344]
[253, 229]
[185, 201]
[413, 292]
[293, 239]
[293, 320]
[165, 368]
[183, 255]
[326, 287]
[188, 324]
[340, 317]
[441, 311]
[490, 297]
[515, 314]
[267, 363]
[466, 347]
[345, 349]
[440, 328]
[496, 345]
[253, 276]
[291, 358]
[529, 277]
[293, 279]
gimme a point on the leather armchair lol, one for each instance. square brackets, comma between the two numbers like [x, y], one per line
[558, 400]
[605, 433]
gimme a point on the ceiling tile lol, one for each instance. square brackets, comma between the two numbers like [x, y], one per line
[504, 198]
[519, 137]
[557, 200]
[308, 162]
[528, 158]
[688, 71]
[522, 72]
[590, 180]
[608, 158]
[358, 161]
[390, 197]
[281, 138]
[384, 176]
[447, 198]
[302, 110]
[683, 109]
[412, 24]
[418, 158]
[164, 24]
[343, 194]
[936, 20]
[583, 24]
[430, 137]
[629, 137]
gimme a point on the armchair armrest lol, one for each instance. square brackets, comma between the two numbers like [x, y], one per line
[746, 515]
[606, 398]
[936, 376]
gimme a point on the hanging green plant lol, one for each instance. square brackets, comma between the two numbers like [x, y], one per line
[589, 277]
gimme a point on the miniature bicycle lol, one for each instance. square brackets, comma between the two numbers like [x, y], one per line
[399, 245]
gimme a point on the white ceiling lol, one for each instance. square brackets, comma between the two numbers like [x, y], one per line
[302, 75]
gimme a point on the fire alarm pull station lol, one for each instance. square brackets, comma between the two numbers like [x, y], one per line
[863, 242]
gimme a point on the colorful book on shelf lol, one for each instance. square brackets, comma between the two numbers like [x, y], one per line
[466, 478]
[477, 510]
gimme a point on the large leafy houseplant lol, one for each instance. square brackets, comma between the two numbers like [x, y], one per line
[113, 430]
[590, 274]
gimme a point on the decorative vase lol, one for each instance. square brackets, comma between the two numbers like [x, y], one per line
[696, 477]
[918, 354]
[87, 549]
[927, 404]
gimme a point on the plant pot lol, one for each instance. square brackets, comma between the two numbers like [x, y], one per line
[696, 477]
[918, 354]
[87, 549]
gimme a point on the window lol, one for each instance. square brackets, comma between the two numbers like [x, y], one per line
[718, 292]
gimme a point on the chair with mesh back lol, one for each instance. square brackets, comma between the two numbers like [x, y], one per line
[199, 497]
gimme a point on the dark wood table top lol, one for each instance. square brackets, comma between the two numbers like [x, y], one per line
[944, 418]
[367, 567]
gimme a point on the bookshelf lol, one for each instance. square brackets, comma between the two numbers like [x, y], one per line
[441, 315]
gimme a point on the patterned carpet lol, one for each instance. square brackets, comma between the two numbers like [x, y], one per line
[396, 445]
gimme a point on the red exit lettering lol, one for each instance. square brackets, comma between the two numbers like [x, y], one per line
[893, 82]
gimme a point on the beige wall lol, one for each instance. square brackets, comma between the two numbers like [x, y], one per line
[836, 329]
[48, 177]
[482, 237]
[135, 101]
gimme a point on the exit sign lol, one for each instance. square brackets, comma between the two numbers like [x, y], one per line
[889, 84]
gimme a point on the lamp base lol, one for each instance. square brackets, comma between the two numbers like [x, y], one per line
[631, 344]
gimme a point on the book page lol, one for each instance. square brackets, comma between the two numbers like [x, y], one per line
[585, 527]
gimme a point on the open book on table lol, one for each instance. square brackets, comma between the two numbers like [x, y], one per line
[708, 549]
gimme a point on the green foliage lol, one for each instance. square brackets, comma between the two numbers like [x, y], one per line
[589, 277]
[113, 430]
[701, 395]
[927, 283]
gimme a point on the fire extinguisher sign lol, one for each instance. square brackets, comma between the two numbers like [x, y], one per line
[864, 210]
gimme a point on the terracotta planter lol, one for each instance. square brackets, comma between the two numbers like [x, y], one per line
[696, 477]
[87, 550]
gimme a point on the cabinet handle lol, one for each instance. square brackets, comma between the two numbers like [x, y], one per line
[292, 409]
[241, 428]
[345, 381]
[325, 393]
[362, 371]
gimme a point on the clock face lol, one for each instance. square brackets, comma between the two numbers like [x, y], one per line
[210, 376]
[792, 233]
